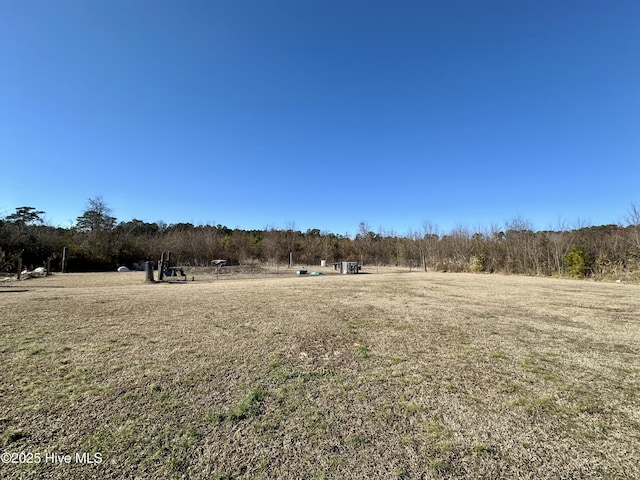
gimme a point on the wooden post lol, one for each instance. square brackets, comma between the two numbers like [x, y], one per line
[63, 267]
[161, 268]
[149, 270]
[19, 268]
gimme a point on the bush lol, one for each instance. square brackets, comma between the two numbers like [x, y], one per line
[477, 264]
[575, 263]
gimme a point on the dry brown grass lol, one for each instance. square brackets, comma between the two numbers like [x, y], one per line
[397, 375]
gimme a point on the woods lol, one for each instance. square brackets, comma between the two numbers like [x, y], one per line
[98, 241]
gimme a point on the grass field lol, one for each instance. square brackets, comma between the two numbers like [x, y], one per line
[390, 375]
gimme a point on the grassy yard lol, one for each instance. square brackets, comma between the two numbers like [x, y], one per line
[390, 375]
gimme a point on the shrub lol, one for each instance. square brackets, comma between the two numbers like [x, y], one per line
[575, 262]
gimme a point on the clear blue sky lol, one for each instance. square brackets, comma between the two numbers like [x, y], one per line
[322, 114]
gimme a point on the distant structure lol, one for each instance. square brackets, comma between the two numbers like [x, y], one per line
[347, 267]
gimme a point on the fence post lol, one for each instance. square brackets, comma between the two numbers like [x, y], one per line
[149, 269]
[161, 268]
[64, 260]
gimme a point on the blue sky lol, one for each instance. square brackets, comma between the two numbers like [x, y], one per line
[322, 114]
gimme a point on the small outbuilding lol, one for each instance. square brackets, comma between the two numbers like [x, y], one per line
[347, 267]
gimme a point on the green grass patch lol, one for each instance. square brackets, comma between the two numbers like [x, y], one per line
[248, 407]
[363, 351]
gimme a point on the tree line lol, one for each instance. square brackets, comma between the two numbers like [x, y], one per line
[98, 242]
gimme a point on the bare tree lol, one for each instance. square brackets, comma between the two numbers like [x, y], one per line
[429, 243]
[522, 253]
[312, 247]
[273, 246]
[367, 244]
[633, 219]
